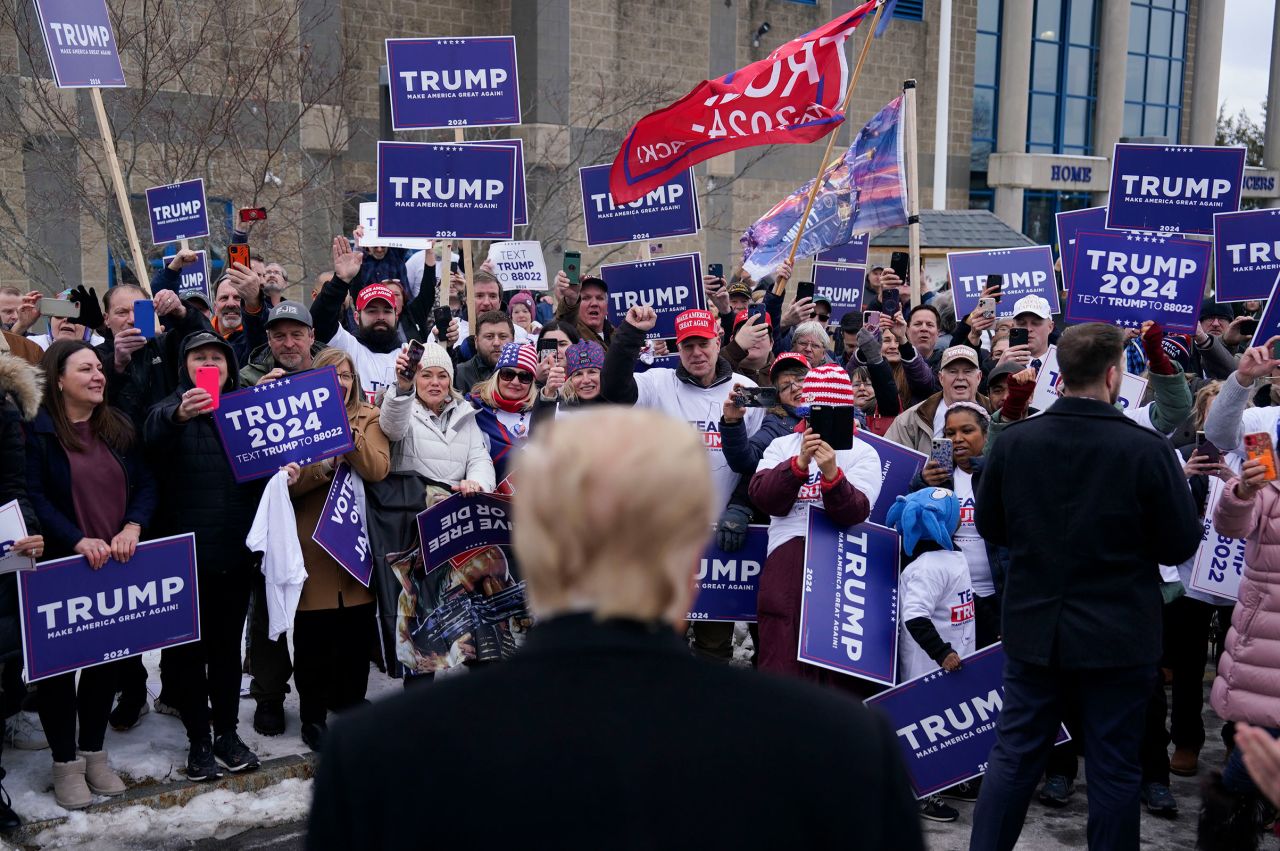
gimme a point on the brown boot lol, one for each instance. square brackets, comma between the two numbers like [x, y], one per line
[69, 787]
[1185, 762]
[98, 775]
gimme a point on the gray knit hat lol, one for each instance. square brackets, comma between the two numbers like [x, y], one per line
[434, 354]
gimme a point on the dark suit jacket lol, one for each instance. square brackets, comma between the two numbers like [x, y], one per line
[611, 735]
[1089, 504]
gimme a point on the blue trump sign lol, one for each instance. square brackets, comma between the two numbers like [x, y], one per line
[446, 191]
[670, 285]
[1023, 272]
[898, 466]
[193, 280]
[727, 583]
[841, 286]
[522, 201]
[849, 611]
[1173, 188]
[1070, 223]
[669, 210]
[296, 419]
[453, 82]
[341, 531]
[1246, 254]
[461, 524]
[177, 211]
[1127, 278]
[82, 46]
[852, 253]
[76, 617]
[946, 722]
[1269, 324]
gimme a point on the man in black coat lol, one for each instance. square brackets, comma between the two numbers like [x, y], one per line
[1090, 504]
[603, 731]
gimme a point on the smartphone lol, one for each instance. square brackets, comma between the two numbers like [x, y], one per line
[62, 308]
[716, 269]
[757, 310]
[942, 453]
[253, 214]
[1275, 351]
[996, 281]
[1248, 327]
[987, 307]
[547, 348]
[757, 397]
[238, 253]
[890, 302]
[572, 265]
[1206, 448]
[455, 267]
[1258, 446]
[900, 263]
[1019, 337]
[871, 319]
[208, 380]
[443, 316]
[834, 424]
[804, 289]
[415, 357]
[144, 317]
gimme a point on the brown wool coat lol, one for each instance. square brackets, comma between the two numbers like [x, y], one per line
[327, 581]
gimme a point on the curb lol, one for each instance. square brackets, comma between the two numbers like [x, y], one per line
[176, 793]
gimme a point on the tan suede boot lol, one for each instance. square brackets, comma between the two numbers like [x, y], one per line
[1185, 762]
[99, 776]
[69, 787]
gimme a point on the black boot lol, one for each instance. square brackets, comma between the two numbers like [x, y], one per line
[9, 820]
[1228, 822]
[268, 718]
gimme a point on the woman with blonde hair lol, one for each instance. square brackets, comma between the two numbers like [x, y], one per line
[505, 401]
[335, 623]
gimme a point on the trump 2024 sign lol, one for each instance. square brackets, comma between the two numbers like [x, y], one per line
[453, 82]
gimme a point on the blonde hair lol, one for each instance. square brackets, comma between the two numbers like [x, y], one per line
[486, 390]
[612, 514]
[338, 358]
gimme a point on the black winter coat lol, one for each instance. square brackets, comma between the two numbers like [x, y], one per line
[198, 492]
[620, 724]
[152, 373]
[19, 401]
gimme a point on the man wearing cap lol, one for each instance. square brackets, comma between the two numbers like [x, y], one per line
[750, 349]
[694, 392]
[959, 375]
[376, 341]
[586, 306]
[1031, 312]
[739, 296]
[1219, 320]
[291, 345]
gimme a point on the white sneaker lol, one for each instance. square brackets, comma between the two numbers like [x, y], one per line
[24, 732]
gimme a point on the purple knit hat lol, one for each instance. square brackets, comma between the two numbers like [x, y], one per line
[585, 355]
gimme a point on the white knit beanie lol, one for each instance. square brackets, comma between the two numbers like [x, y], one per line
[434, 354]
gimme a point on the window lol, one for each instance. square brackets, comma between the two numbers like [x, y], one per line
[1157, 60]
[1063, 86]
[911, 10]
[1039, 209]
[986, 99]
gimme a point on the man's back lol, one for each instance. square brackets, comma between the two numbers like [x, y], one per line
[1089, 504]
[612, 735]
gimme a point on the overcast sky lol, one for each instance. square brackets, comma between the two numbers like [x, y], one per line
[1246, 55]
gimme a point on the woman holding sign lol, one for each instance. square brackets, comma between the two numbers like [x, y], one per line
[199, 494]
[93, 494]
[334, 625]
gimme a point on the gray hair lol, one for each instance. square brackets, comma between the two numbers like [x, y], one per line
[813, 329]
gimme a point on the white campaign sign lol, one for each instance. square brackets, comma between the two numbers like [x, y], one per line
[1132, 387]
[1219, 562]
[12, 528]
[369, 218]
[519, 265]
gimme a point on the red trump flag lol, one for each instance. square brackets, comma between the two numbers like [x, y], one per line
[792, 96]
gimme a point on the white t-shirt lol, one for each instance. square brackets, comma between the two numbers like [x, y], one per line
[275, 534]
[968, 539]
[44, 341]
[464, 330]
[940, 418]
[377, 370]
[700, 407]
[861, 466]
[935, 586]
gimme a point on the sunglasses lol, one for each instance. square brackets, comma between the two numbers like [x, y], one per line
[518, 375]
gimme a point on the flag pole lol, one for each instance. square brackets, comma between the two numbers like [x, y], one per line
[913, 189]
[782, 285]
[122, 191]
[459, 135]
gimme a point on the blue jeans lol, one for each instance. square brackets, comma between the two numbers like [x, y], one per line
[1235, 777]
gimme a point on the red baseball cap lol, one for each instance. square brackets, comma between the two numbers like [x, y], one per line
[696, 323]
[792, 359]
[742, 317]
[374, 291]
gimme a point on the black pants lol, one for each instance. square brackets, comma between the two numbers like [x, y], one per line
[1110, 703]
[1186, 651]
[986, 620]
[1155, 736]
[62, 702]
[268, 660]
[331, 658]
[207, 672]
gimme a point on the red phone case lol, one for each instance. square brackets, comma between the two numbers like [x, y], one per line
[207, 379]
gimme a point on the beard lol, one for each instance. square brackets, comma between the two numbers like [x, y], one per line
[379, 340]
[230, 320]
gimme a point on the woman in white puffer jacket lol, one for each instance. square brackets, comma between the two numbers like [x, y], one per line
[433, 430]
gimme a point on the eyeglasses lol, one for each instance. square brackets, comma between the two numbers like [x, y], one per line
[517, 375]
[822, 317]
[793, 386]
[858, 384]
[346, 376]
